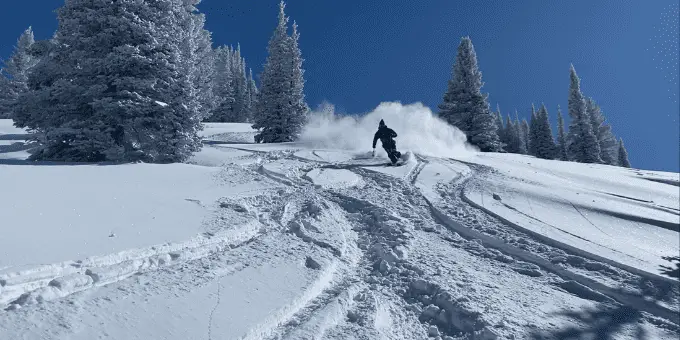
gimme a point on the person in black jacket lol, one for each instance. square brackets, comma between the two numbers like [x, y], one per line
[386, 136]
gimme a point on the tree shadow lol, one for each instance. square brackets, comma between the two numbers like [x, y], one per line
[603, 322]
[608, 319]
[25, 162]
[669, 270]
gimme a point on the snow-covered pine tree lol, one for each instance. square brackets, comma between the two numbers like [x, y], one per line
[520, 135]
[240, 86]
[465, 106]
[544, 144]
[582, 144]
[623, 155]
[511, 135]
[281, 108]
[28, 111]
[525, 135]
[114, 86]
[561, 137]
[299, 115]
[15, 73]
[499, 126]
[531, 141]
[198, 60]
[6, 98]
[252, 95]
[603, 132]
[223, 89]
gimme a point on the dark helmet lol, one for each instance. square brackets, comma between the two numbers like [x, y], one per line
[382, 123]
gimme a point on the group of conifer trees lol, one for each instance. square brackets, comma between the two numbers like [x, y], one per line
[588, 139]
[131, 80]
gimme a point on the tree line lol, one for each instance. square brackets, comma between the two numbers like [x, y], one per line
[132, 80]
[588, 138]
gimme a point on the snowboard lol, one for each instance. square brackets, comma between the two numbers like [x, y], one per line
[402, 160]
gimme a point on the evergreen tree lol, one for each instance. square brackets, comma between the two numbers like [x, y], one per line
[6, 98]
[465, 106]
[520, 135]
[525, 136]
[198, 57]
[223, 89]
[603, 132]
[561, 137]
[582, 144]
[512, 136]
[543, 142]
[499, 125]
[281, 108]
[252, 95]
[240, 86]
[532, 131]
[623, 155]
[14, 75]
[113, 86]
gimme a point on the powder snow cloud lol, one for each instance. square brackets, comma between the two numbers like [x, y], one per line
[418, 130]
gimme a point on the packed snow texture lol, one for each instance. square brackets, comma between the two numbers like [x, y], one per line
[418, 131]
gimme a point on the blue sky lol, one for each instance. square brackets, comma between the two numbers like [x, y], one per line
[359, 53]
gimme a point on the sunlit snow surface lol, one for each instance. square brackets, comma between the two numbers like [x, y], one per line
[318, 239]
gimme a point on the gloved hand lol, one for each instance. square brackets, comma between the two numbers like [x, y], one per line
[373, 152]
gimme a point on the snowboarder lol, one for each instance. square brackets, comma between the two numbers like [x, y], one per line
[386, 136]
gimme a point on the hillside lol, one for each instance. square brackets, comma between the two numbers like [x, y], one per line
[319, 240]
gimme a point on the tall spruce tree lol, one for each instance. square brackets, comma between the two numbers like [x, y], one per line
[525, 135]
[532, 131]
[252, 95]
[113, 87]
[240, 85]
[511, 134]
[223, 88]
[499, 125]
[520, 135]
[465, 106]
[561, 137]
[15, 74]
[543, 142]
[623, 155]
[582, 144]
[281, 108]
[608, 143]
[6, 99]
[198, 56]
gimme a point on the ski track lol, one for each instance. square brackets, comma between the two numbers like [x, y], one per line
[371, 288]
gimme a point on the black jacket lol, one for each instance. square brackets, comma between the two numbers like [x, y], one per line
[385, 135]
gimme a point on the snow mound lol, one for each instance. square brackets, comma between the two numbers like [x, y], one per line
[418, 130]
[334, 178]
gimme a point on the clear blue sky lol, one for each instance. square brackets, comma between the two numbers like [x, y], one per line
[359, 53]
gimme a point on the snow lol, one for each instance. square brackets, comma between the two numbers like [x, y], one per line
[318, 239]
[232, 132]
[334, 178]
[608, 211]
[7, 127]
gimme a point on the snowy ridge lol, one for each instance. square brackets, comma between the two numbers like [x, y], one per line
[44, 283]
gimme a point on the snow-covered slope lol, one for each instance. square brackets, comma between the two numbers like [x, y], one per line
[319, 240]
[624, 215]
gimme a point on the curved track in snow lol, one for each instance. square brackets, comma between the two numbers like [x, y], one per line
[344, 249]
